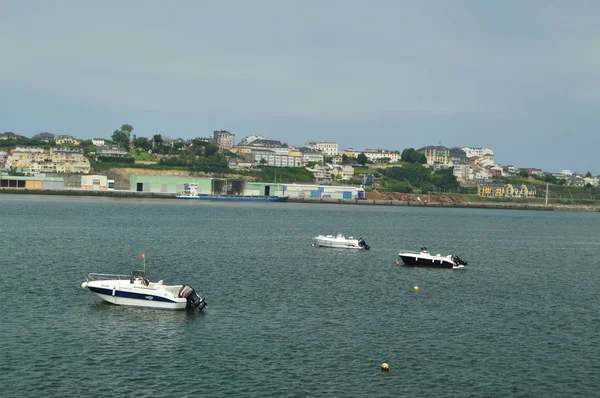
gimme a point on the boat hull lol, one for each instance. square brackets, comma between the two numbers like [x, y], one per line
[139, 298]
[427, 262]
[332, 243]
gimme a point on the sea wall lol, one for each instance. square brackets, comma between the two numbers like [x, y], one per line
[357, 202]
[468, 205]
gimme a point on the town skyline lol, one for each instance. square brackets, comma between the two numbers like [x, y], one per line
[521, 78]
[342, 148]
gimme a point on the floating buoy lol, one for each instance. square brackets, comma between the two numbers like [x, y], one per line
[84, 285]
[385, 367]
[416, 288]
[397, 262]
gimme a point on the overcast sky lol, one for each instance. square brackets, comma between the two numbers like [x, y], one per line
[520, 77]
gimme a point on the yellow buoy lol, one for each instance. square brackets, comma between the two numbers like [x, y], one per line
[84, 285]
[385, 367]
[416, 288]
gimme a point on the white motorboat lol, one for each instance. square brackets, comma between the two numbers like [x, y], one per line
[136, 290]
[340, 242]
[425, 259]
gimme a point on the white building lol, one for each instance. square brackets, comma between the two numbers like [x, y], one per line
[322, 173]
[316, 157]
[310, 191]
[111, 151]
[281, 151]
[463, 172]
[482, 175]
[342, 172]
[95, 182]
[278, 160]
[593, 181]
[98, 141]
[477, 152]
[328, 148]
[66, 139]
[376, 155]
[250, 139]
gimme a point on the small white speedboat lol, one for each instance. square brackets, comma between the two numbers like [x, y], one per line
[340, 242]
[136, 290]
[425, 259]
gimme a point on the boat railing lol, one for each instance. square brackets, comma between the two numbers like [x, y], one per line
[100, 277]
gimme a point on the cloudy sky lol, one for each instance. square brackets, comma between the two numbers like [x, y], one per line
[520, 77]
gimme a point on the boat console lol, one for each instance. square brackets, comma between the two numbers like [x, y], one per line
[138, 278]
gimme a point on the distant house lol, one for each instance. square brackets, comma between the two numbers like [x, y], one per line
[458, 155]
[167, 141]
[111, 151]
[266, 143]
[378, 155]
[328, 148]
[98, 141]
[494, 189]
[435, 154]
[66, 139]
[340, 172]
[43, 137]
[8, 135]
[500, 190]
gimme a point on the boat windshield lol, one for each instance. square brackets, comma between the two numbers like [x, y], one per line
[138, 274]
[139, 277]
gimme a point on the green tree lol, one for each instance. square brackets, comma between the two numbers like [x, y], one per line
[410, 155]
[211, 149]
[414, 173]
[157, 140]
[127, 129]
[120, 138]
[142, 143]
[362, 158]
[588, 174]
[524, 173]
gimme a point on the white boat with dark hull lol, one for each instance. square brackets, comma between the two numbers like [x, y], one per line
[136, 290]
[340, 242]
[425, 259]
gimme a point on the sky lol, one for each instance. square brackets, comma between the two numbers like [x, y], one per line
[519, 77]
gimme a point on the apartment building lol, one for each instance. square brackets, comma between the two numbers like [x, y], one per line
[328, 148]
[224, 139]
[378, 155]
[435, 154]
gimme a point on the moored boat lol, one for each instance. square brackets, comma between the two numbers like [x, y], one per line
[425, 259]
[135, 290]
[340, 242]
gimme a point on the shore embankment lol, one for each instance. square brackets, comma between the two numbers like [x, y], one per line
[358, 202]
[456, 205]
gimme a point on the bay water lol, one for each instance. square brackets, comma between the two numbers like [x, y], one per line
[288, 319]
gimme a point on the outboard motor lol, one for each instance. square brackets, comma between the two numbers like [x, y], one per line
[459, 261]
[363, 244]
[193, 299]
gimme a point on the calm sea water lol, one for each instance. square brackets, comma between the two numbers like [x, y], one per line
[288, 319]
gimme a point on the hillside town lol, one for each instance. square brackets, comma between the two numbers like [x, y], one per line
[326, 160]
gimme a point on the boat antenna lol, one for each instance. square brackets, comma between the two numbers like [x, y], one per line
[144, 261]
